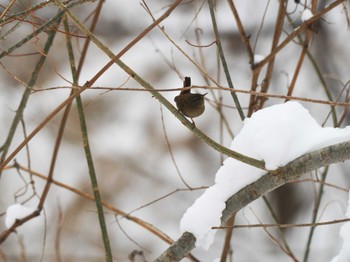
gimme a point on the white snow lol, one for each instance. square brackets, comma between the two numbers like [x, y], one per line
[344, 254]
[306, 15]
[15, 212]
[277, 135]
[258, 58]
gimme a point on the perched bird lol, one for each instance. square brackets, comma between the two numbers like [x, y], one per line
[191, 105]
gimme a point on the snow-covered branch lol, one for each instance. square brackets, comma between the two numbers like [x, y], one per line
[270, 181]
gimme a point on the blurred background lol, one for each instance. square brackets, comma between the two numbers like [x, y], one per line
[139, 147]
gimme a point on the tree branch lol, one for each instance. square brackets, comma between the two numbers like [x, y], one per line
[270, 181]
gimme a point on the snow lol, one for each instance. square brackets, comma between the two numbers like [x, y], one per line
[258, 58]
[344, 254]
[15, 212]
[306, 15]
[277, 135]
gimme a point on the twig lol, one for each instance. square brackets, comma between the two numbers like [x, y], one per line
[315, 213]
[242, 91]
[25, 96]
[227, 243]
[242, 31]
[258, 102]
[326, 223]
[86, 144]
[303, 27]
[223, 60]
[171, 151]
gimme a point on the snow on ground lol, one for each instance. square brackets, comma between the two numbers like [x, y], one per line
[277, 135]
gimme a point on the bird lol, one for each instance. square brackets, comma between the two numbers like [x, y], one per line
[190, 104]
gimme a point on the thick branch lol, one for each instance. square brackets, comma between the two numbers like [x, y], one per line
[270, 181]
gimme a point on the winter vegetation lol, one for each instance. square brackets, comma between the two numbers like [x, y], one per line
[98, 162]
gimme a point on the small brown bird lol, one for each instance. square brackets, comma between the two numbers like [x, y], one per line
[191, 105]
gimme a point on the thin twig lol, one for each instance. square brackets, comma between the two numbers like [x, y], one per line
[257, 103]
[303, 27]
[223, 60]
[42, 28]
[242, 31]
[242, 91]
[227, 244]
[171, 151]
[316, 208]
[26, 94]
[326, 223]
[86, 144]
[318, 73]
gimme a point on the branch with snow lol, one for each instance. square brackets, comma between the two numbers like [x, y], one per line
[17, 215]
[276, 135]
[16, 212]
[267, 183]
